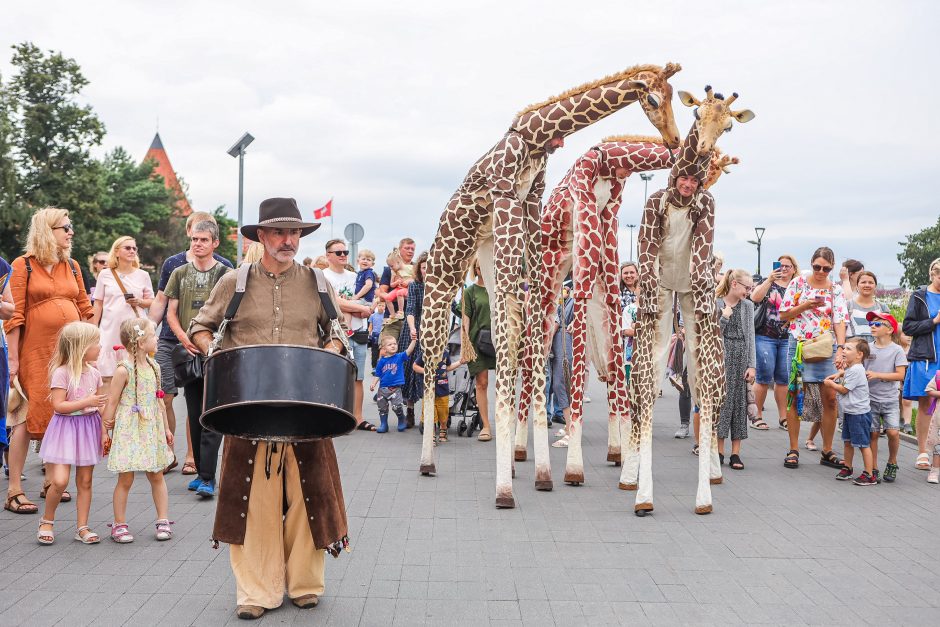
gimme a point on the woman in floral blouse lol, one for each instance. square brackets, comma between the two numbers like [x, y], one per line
[814, 306]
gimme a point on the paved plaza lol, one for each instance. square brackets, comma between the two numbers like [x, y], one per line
[782, 547]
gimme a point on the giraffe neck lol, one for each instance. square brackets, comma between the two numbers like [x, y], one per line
[560, 119]
[634, 157]
[688, 163]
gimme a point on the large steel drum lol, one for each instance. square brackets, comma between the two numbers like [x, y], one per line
[279, 392]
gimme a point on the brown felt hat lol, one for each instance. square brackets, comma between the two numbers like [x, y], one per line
[279, 213]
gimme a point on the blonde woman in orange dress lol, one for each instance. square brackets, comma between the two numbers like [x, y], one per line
[48, 292]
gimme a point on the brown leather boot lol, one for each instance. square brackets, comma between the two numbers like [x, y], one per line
[306, 601]
[249, 612]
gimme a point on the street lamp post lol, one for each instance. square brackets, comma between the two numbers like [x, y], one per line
[646, 176]
[238, 150]
[759, 230]
[631, 227]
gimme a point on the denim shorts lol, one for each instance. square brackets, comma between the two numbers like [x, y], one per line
[856, 428]
[889, 413]
[772, 364]
[359, 356]
[815, 372]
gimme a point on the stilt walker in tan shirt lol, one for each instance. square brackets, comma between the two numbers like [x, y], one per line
[280, 503]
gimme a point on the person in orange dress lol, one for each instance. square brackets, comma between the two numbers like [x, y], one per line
[48, 292]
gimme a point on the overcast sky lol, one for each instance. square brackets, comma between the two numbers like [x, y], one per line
[383, 106]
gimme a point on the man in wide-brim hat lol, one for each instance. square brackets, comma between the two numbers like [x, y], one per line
[280, 504]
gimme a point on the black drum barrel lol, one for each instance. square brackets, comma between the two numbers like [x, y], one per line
[279, 392]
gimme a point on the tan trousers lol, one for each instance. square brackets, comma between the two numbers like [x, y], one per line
[278, 553]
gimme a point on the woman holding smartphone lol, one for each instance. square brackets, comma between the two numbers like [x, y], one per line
[772, 337]
[815, 308]
[123, 291]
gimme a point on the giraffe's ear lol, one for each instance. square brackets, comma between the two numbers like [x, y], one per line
[639, 85]
[743, 116]
[688, 99]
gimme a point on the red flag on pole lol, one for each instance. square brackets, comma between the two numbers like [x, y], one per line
[325, 211]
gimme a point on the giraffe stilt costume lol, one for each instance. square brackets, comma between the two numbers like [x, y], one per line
[675, 253]
[579, 233]
[580, 222]
[496, 210]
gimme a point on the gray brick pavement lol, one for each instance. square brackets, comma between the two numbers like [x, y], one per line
[793, 547]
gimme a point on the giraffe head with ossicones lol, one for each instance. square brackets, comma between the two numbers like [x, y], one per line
[713, 117]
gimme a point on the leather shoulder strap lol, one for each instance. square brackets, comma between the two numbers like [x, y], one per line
[323, 291]
[241, 281]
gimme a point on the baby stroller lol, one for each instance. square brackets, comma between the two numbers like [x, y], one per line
[463, 402]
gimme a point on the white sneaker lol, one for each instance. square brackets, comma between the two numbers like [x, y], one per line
[561, 433]
[934, 475]
[683, 432]
[587, 399]
[562, 443]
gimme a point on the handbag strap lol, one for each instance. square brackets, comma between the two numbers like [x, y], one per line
[117, 279]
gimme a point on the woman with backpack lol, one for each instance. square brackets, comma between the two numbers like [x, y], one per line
[48, 293]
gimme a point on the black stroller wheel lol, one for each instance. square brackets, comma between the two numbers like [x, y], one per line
[461, 427]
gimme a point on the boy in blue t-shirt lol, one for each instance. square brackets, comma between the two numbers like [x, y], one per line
[441, 391]
[391, 378]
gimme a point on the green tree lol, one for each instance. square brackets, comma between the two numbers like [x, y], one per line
[917, 252]
[228, 248]
[135, 202]
[53, 135]
[13, 215]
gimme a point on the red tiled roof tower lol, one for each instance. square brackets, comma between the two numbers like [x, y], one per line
[164, 169]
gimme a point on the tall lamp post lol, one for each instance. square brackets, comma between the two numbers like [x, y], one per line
[631, 227]
[646, 176]
[759, 231]
[238, 150]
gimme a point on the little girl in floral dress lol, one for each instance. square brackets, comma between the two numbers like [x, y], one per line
[141, 440]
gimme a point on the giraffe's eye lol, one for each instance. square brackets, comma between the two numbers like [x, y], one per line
[653, 100]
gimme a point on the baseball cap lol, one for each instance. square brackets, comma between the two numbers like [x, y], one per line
[871, 315]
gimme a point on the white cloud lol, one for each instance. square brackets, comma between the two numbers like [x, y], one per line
[383, 106]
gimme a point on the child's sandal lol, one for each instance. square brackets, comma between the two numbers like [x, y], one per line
[45, 537]
[86, 536]
[164, 532]
[120, 533]
[442, 435]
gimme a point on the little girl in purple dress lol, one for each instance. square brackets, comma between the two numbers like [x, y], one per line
[74, 436]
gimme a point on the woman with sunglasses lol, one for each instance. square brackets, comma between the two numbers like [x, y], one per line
[48, 293]
[96, 263]
[772, 338]
[815, 307]
[124, 291]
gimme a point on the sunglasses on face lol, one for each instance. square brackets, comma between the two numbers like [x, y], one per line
[68, 228]
[340, 253]
[783, 267]
[819, 268]
[877, 324]
[134, 248]
[101, 262]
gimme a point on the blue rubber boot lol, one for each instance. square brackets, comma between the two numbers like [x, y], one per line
[383, 424]
[402, 420]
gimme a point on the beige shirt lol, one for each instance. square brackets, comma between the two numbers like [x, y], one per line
[276, 309]
[675, 252]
